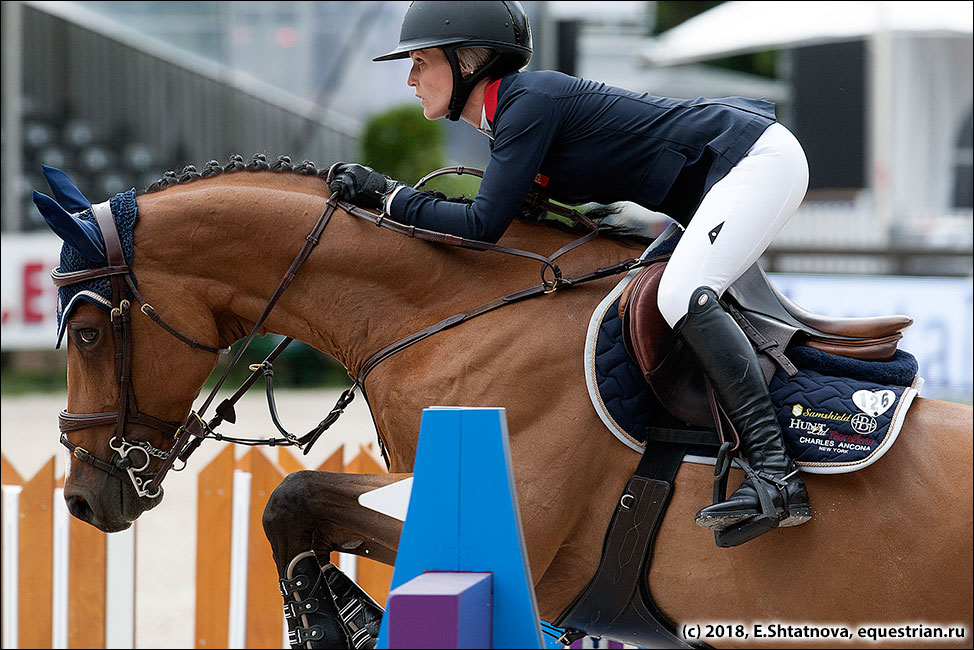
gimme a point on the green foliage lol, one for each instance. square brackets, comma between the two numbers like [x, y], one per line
[454, 185]
[759, 63]
[24, 382]
[403, 144]
[300, 365]
[669, 14]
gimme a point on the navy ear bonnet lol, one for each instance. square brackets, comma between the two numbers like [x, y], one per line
[84, 247]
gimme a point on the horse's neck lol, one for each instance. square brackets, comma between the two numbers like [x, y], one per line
[230, 240]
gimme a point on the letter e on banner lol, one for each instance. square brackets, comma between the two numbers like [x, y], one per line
[29, 296]
[34, 308]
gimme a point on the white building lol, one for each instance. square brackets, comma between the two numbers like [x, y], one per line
[909, 69]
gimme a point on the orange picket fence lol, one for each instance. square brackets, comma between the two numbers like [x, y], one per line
[68, 585]
[57, 589]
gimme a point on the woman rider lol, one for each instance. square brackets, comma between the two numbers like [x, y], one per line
[724, 169]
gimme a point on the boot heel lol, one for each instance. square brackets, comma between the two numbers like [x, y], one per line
[797, 516]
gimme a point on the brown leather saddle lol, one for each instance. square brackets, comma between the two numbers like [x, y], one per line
[771, 321]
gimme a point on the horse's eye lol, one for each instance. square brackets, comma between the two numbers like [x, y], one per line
[88, 335]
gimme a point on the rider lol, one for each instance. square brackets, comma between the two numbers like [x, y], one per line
[723, 168]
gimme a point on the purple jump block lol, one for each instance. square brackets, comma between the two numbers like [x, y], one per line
[441, 609]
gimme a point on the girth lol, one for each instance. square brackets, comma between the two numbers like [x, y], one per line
[617, 603]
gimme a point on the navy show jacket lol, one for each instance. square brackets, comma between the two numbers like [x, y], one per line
[590, 142]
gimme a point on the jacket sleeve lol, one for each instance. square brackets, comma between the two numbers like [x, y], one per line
[523, 134]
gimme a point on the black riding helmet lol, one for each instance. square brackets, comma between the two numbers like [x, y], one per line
[500, 26]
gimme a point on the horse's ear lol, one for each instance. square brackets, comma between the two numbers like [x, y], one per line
[66, 193]
[82, 235]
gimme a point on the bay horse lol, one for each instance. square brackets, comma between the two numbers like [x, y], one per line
[888, 545]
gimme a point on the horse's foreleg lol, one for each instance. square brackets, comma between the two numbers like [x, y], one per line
[309, 515]
[319, 511]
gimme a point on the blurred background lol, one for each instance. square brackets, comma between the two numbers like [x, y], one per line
[118, 93]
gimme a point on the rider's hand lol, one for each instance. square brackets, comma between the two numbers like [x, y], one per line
[361, 185]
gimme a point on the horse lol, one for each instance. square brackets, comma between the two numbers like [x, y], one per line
[888, 545]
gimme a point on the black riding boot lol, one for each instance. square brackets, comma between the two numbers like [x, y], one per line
[731, 365]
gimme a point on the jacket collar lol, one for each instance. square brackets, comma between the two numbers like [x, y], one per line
[490, 107]
[490, 100]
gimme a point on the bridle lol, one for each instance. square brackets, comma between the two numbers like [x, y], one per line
[133, 457]
[121, 278]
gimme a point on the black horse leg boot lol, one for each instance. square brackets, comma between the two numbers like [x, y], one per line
[312, 615]
[359, 613]
[732, 368]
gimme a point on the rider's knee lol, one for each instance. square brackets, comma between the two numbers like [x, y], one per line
[673, 298]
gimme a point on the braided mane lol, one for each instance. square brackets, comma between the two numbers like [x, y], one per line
[236, 164]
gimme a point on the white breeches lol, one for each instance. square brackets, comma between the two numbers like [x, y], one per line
[750, 205]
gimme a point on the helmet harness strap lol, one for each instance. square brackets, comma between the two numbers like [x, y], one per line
[462, 87]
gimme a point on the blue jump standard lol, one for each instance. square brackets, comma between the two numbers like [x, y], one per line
[462, 518]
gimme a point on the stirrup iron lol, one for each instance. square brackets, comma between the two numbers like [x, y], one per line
[752, 527]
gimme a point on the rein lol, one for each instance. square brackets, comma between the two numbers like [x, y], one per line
[534, 201]
[187, 436]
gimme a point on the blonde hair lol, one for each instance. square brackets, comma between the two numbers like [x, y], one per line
[472, 59]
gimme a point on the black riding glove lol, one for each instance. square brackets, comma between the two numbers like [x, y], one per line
[361, 185]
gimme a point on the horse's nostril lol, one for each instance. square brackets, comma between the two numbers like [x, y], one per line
[79, 508]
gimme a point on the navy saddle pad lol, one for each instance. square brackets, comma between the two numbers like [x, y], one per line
[838, 414]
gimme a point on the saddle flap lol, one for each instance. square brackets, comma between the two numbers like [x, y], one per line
[647, 335]
[667, 367]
